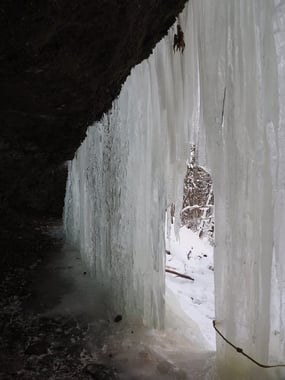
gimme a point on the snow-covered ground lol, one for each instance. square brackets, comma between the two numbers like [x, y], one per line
[193, 256]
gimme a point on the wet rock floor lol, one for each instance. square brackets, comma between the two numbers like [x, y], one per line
[36, 346]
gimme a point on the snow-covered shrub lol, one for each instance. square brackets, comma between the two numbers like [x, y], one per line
[198, 199]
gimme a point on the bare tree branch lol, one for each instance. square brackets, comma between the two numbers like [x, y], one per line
[179, 274]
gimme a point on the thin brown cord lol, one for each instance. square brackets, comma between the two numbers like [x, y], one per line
[240, 351]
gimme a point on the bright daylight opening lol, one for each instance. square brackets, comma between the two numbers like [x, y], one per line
[189, 254]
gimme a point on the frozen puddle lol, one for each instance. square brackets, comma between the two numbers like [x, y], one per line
[139, 353]
[178, 352]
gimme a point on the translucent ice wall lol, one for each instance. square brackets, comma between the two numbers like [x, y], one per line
[241, 66]
[125, 175]
[226, 94]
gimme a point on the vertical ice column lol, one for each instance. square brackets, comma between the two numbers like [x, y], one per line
[127, 171]
[277, 347]
[242, 91]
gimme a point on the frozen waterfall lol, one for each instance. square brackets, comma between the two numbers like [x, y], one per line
[226, 93]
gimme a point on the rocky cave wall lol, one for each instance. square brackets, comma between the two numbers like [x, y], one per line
[61, 65]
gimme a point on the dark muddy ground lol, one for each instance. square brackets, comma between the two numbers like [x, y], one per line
[42, 336]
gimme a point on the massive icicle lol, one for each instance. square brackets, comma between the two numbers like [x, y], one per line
[126, 173]
[241, 61]
[226, 92]
[240, 116]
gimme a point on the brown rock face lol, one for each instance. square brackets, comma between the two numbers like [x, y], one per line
[62, 62]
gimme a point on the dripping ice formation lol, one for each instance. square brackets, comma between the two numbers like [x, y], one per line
[226, 93]
[242, 96]
[123, 177]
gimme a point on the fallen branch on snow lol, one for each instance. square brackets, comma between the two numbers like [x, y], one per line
[179, 274]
